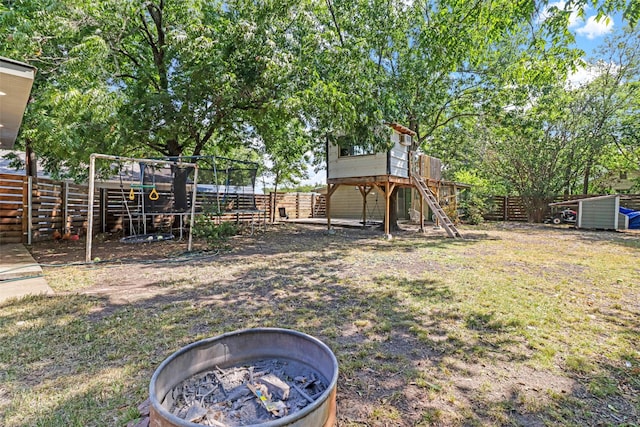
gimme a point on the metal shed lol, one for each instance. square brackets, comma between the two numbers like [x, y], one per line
[598, 213]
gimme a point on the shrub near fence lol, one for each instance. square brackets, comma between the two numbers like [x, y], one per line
[511, 208]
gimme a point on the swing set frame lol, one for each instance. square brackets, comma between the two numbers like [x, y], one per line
[91, 201]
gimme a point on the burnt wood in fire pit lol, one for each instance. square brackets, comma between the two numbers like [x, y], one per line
[247, 394]
[267, 377]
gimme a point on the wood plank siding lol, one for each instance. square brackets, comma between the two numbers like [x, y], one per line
[349, 166]
[346, 203]
[13, 194]
[395, 162]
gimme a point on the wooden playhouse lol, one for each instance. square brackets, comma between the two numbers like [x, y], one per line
[360, 183]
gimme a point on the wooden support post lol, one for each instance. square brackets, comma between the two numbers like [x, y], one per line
[328, 206]
[104, 197]
[364, 191]
[237, 209]
[271, 208]
[387, 209]
[65, 207]
[455, 198]
[364, 206]
[421, 213]
[331, 188]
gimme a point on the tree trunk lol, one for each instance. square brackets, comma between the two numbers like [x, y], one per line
[536, 207]
[274, 208]
[587, 177]
[180, 177]
[31, 162]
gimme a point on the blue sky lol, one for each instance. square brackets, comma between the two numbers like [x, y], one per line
[590, 32]
[590, 35]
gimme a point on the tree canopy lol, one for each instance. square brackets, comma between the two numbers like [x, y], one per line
[278, 79]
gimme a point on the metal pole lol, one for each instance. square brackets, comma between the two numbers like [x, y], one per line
[193, 206]
[92, 170]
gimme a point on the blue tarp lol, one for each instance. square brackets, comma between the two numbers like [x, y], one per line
[634, 217]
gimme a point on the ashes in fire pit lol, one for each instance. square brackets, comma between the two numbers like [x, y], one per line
[250, 393]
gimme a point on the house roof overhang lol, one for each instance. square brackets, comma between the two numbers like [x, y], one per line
[16, 80]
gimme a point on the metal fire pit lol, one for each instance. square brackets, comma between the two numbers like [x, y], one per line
[242, 346]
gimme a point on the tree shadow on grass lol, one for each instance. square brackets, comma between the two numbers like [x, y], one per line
[408, 354]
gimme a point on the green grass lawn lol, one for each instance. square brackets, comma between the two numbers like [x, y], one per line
[514, 325]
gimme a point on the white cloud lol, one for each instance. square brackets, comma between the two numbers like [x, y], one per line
[581, 76]
[587, 73]
[591, 28]
[594, 28]
[573, 18]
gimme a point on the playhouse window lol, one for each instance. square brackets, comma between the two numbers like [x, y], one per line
[356, 150]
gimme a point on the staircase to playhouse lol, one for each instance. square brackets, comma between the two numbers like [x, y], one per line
[440, 214]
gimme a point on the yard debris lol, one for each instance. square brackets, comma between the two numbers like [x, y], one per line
[276, 407]
[144, 408]
[276, 386]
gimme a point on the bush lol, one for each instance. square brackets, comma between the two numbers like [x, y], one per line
[207, 227]
[478, 200]
[473, 208]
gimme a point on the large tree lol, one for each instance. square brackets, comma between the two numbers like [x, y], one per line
[167, 77]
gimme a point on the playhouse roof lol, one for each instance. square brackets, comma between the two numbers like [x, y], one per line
[402, 129]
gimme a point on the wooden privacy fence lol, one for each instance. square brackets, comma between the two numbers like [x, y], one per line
[298, 205]
[511, 208]
[13, 199]
[31, 209]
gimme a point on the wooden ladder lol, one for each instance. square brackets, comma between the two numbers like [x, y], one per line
[428, 195]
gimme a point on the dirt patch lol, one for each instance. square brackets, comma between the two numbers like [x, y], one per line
[420, 335]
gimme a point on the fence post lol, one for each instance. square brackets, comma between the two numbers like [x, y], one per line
[313, 205]
[65, 207]
[297, 205]
[26, 210]
[506, 208]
